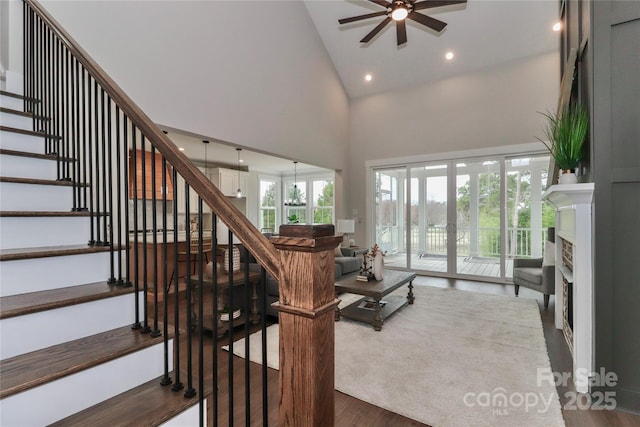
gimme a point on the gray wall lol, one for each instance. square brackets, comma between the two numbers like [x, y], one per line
[614, 48]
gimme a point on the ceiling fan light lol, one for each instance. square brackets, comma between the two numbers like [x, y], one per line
[399, 13]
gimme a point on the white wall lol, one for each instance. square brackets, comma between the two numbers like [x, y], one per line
[491, 108]
[252, 73]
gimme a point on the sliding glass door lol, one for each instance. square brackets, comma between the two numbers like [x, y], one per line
[462, 218]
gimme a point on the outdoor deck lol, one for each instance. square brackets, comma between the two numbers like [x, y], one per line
[485, 267]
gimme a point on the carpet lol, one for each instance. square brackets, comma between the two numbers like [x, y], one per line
[454, 358]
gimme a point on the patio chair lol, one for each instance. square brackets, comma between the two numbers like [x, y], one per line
[537, 273]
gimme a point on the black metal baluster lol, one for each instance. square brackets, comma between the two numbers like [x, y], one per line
[40, 72]
[56, 106]
[214, 319]
[190, 391]
[64, 134]
[26, 12]
[93, 130]
[201, 315]
[166, 379]
[177, 385]
[80, 184]
[136, 246]
[127, 197]
[247, 380]
[82, 159]
[230, 309]
[99, 133]
[154, 221]
[109, 211]
[263, 320]
[73, 134]
[145, 274]
[120, 194]
[106, 212]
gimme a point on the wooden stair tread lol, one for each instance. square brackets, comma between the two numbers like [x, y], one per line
[44, 214]
[34, 155]
[23, 113]
[49, 251]
[41, 181]
[33, 302]
[17, 95]
[30, 370]
[149, 404]
[29, 132]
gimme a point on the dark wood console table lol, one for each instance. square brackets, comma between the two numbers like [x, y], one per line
[222, 326]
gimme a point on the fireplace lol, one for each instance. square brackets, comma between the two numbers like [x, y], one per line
[574, 312]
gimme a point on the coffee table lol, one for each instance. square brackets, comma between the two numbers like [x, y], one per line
[376, 304]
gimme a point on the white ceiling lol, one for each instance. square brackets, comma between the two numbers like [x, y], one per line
[481, 33]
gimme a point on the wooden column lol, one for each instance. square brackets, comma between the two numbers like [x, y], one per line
[306, 309]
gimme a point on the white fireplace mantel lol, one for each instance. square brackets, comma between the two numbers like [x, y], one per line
[573, 224]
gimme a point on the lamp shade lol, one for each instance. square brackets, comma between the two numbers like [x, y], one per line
[346, 226]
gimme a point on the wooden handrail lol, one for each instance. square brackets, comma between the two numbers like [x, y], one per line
[264, 252]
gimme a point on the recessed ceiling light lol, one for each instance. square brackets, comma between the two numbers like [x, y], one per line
[449, 56]
[241, 161]
[368, 77]
[181, 148]
[557, 26]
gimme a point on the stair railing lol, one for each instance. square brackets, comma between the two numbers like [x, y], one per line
[144, 197]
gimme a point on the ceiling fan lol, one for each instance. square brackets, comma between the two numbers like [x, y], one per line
[400, 11]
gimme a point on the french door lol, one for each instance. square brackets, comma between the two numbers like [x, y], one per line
[461, 218]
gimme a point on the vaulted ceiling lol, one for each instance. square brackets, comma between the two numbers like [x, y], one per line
[480, 33]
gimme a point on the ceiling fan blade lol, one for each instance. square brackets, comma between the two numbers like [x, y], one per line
[430, 22]
[360, 17]
[382, 3]
[428, 4]
[401, 32]
[376, 30]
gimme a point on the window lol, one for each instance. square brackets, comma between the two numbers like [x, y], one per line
[316, 198]
[322, 202]
[268, 203]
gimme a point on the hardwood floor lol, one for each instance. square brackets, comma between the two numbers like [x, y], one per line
[353, 412]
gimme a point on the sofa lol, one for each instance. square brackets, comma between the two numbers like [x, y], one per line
[347, 263]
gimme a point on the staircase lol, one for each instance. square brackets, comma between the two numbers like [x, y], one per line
[68, 353]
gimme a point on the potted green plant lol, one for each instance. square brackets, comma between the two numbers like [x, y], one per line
[566, 133]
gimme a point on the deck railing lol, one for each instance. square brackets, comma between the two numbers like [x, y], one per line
[153, 207]
[434, 241]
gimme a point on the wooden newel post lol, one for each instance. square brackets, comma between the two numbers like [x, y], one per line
[306, 309]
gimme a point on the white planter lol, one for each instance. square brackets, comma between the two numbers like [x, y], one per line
[567, 178]
[378, 266]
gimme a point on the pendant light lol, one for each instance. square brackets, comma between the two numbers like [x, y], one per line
[239, 192]
[295, 197]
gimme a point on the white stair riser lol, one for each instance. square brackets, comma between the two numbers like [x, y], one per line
[11, 102]
[16, 121]
[28, 167]
[35, 197]
[31, 232]
[21, 142]
[188, 417]
[41, 274]
[66, 396]
[23, 334]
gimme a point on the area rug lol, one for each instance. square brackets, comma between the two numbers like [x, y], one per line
[454, 358]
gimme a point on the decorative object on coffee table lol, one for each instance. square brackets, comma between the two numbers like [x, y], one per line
[374, 292]
[377, 261]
